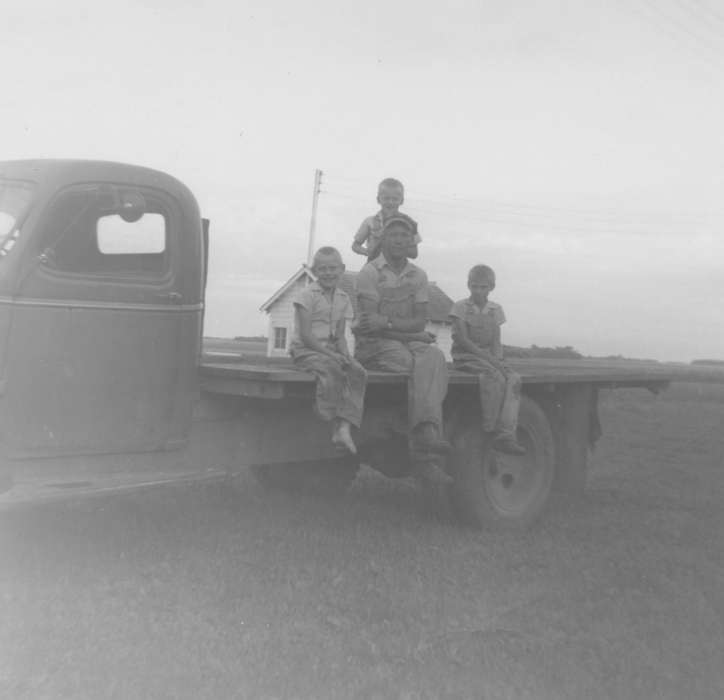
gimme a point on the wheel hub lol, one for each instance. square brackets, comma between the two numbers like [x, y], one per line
[513, 482]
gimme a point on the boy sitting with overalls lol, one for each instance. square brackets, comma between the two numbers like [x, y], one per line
[477, 348]
[319, 346]
[368, 240]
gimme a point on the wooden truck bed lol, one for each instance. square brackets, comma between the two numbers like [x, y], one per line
[271, 379]
[228, 375]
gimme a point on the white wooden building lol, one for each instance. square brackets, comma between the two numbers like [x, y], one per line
[280, 308]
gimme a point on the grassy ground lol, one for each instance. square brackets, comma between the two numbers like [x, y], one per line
[200, 593]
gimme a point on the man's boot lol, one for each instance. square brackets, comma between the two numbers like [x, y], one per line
[426, 440]
[435, 486]
[509, 445]
[426, 450]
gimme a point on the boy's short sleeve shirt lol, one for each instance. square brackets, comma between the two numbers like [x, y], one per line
[377, 274]
[371, 231]
[324, 313]
[370, 226]
[467, 307]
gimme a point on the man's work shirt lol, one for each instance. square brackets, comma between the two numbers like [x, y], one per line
[482, 325]
[394, 293]
[325, 310]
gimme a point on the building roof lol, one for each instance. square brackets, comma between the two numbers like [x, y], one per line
[438, 307]
[303, 271]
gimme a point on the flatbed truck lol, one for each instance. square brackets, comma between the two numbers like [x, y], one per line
[105, 386]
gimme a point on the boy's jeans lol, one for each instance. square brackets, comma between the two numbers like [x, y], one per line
[340, 390]
[426, 366]
[499, 393]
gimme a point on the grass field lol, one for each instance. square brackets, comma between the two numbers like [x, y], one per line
[195, 592]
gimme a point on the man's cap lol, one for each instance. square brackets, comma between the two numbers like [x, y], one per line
[408, 222]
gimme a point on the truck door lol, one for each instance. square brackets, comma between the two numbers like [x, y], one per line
[103, 346]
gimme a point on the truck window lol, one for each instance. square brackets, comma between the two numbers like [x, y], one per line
[14, 200]
[84, 238]
[147, 236]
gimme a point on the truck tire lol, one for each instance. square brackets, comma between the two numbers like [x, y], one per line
[327, 475]
[500, 491]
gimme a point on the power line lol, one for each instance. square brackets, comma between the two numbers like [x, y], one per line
[697, 11]
[675, 30]
[718, 16]
[536, 223]
[542, 216]
[533, 209]
[675, 23]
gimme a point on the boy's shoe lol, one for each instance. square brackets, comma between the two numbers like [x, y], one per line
[509, 445]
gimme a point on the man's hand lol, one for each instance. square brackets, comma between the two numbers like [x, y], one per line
[497, 362]
[409, 336]
[338, 357]
[370, 322]
[344, 360]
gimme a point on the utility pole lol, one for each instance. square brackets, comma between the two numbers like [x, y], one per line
[313, 221]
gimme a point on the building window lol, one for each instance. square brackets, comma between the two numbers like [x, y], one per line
[280, 338]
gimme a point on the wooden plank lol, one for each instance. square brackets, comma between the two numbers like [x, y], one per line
[537, 372]
[252, 388]
[228, 353]
[278, 380]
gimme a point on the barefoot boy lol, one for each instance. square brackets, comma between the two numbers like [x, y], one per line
[319, 347]
[477, 348]
[368, 240]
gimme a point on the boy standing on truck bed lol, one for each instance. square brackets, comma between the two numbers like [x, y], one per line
[477, 348]
[319, 347]
[392, 300]
[367, 241]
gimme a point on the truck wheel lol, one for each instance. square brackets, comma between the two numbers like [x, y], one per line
[497, 490]
[327, 475]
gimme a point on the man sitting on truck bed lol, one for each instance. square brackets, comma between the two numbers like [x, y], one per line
[392, 303]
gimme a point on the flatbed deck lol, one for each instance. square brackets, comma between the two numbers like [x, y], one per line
[276, 379]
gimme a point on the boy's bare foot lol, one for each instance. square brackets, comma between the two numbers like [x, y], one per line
[342, 437]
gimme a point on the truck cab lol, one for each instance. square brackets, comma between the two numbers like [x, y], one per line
[101, 308]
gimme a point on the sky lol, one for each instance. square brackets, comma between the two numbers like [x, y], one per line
[576, 147]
